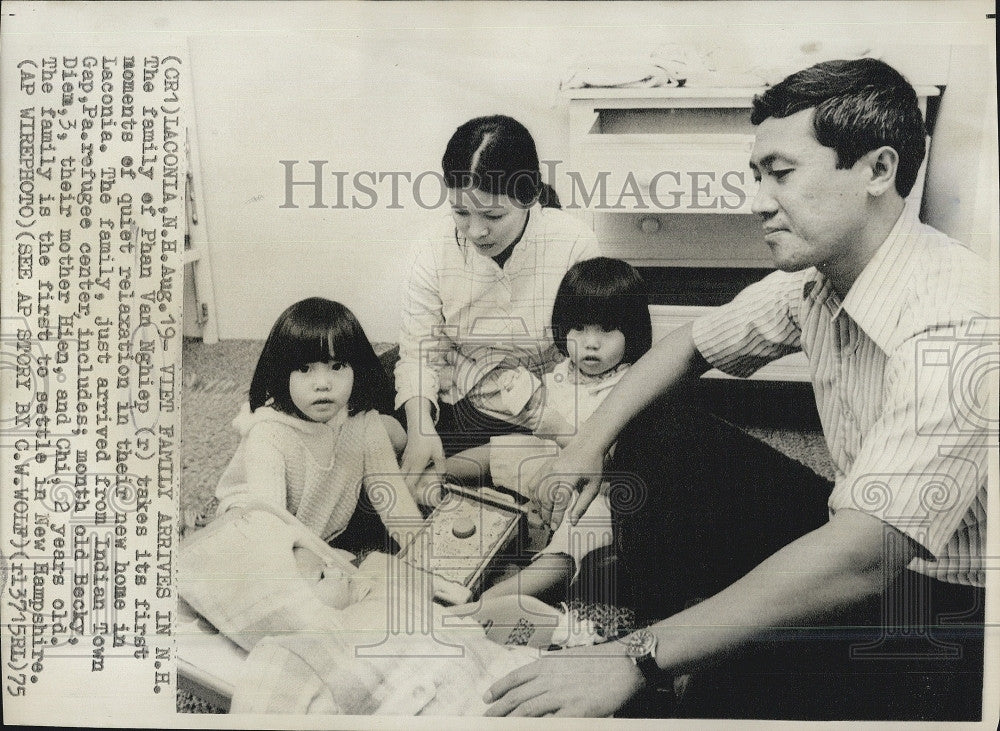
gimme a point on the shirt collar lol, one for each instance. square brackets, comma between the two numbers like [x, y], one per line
[528, 237]
[246, 419]
[875, 299]
[579, 378]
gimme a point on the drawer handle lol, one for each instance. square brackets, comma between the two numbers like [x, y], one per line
[650, 225]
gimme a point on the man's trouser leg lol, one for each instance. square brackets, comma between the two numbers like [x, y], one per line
[717, 502]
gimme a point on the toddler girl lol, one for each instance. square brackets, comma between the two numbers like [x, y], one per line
[312, 436]
[322, 635]
[601, 323]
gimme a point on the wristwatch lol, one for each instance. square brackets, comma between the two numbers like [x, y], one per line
[641, 648]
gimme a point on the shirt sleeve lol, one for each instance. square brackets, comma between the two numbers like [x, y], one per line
[265, 470]
[384, 484]
[760, 325]
[422, 346]
[924, 461]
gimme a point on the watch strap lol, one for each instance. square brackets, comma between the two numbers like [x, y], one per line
[651, 672]
[642, 650]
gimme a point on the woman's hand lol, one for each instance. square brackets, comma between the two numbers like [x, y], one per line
[423, 444]
[429, 489]
[423, 448]
[578, 468]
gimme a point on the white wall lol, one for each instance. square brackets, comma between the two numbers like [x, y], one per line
[381, 87]
[962, 166]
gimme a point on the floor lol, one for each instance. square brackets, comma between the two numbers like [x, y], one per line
[216, 379]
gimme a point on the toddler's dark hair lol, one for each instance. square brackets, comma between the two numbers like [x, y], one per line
[317, 330]
[606, 292]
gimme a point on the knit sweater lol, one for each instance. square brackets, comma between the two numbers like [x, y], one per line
[313, 470]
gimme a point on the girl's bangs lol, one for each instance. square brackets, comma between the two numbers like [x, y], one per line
[301, 352]
[611, 313]
[316, 344]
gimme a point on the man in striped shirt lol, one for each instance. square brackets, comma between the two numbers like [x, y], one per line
[863, 602]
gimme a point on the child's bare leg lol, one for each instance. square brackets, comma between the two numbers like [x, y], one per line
[550, 572]
[469, 467]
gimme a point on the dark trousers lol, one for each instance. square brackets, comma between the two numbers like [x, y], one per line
[714, 503]
[365, 531]
[463, 426]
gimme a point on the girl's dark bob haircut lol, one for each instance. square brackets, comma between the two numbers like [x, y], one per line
[316, 330]
[606, 292]
[497, 155]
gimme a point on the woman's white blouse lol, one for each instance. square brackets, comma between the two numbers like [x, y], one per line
[464, 317]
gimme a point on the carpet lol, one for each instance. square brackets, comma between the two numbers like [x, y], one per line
[215, 382]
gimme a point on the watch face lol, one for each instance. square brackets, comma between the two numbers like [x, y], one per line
[640, 644]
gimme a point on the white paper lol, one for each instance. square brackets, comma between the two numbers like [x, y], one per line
[109, 107]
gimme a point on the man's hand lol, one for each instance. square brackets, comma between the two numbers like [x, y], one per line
[577, 469]
[583, 682]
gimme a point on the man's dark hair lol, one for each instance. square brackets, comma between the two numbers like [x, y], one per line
[861, 105]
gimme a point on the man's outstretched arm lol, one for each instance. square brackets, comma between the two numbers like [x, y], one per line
[851, 558]
[670, 363]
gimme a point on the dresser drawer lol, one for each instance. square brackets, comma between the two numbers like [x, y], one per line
[689, 173]
[651, 239]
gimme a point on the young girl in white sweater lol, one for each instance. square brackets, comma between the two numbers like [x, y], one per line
[312, 434]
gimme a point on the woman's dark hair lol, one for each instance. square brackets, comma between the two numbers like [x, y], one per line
[606, 292]
[861, 105]
[316, 330]
[497, 155]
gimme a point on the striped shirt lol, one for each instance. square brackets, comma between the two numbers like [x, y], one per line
[900, 368]
[464, 317]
